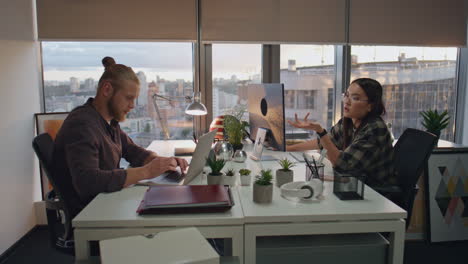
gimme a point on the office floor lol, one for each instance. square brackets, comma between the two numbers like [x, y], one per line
[37, 249]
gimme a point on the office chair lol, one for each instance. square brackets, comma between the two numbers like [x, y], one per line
[411, 154]
[58, 215]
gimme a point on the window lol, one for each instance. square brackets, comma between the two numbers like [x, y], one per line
[72, 71]
[235, 66]
[308, 75]
[414, 79]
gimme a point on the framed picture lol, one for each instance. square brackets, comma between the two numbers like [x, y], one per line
[48, 123]
[447, 196]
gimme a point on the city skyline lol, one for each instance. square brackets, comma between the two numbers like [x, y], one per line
[173, 61]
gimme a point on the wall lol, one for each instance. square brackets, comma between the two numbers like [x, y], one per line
[19, 100]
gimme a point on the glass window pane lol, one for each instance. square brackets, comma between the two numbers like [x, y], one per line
[72, 70]
[414, 79]
[308, 75]
[235, 66]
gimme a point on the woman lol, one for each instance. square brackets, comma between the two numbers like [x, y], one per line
[360, 141]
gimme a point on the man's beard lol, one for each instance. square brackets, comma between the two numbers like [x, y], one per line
[114, 111]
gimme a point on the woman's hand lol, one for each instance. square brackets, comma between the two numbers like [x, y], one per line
[306, 124]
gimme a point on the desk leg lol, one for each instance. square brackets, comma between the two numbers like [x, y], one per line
[397, 244]
[238, 243]
[81, 246]
[250, 245]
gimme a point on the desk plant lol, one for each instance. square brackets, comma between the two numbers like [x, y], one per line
[434, 121]
[235, 128]
[263, 188]
[284, 174]
[216, 165]
[229, 177]
[245, 177]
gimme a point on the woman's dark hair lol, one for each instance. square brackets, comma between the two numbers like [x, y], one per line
[374, 91]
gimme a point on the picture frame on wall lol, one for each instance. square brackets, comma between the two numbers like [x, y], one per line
[48, 123]
[447, 196]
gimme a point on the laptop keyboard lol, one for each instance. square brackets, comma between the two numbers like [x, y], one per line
[174, 176]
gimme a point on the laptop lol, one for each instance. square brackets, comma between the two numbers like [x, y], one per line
[196, 165]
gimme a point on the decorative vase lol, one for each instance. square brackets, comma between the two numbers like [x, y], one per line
[223, 150]
[245, 180]
[237, 146]
[283, 177]
[214, 179]
[239, 156]
[262, 193]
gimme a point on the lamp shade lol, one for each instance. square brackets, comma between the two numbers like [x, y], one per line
[196, 107]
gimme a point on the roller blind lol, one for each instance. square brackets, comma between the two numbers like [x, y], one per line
[408, 22]
[271, 21]
[117, 19]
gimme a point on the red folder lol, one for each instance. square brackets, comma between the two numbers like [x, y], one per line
[186, 199]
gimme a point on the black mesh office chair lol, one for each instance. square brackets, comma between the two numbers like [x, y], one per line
[58, 215]
[412, 152]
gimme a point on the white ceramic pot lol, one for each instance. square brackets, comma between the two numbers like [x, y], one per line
[214, 179]
[229, 180]
[245, 180]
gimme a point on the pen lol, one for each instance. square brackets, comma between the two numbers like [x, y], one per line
[316, 169]
[308, 163]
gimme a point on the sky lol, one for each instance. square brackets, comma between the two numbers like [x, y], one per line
[171, 61]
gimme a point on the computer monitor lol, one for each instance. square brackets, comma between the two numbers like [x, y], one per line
[266, 110]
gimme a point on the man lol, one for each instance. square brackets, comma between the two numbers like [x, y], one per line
[90, 143]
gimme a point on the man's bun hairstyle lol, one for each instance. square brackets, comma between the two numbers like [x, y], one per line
[116, 73]
[107, 62]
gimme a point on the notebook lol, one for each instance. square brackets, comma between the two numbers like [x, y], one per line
[195, 167]
[186, 198]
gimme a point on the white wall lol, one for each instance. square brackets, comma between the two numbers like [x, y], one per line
[19, 100]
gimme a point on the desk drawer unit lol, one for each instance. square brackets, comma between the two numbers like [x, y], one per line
[324, 249]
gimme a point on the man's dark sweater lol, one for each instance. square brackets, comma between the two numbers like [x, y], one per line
[87, 153]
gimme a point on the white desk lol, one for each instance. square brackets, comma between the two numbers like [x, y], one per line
[330, 216]
[113, 215]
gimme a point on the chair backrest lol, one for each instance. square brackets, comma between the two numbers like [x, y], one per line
[412, 151]
[43, 145]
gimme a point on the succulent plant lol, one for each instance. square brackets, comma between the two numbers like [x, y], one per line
[230, 172]
[216, 165]
[286, 164]
[434, 121]
[264, 178]
[244, 172]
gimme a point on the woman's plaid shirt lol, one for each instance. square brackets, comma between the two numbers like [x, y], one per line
[370, 152]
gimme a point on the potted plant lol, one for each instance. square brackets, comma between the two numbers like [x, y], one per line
[434, 121]
[229, 177]
[263, 188]
[216, 165]
[235, 128]
[284, 174]
[245, 177]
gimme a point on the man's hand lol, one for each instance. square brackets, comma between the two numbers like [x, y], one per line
[182, 163]
[159, 165]
[305, 124]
